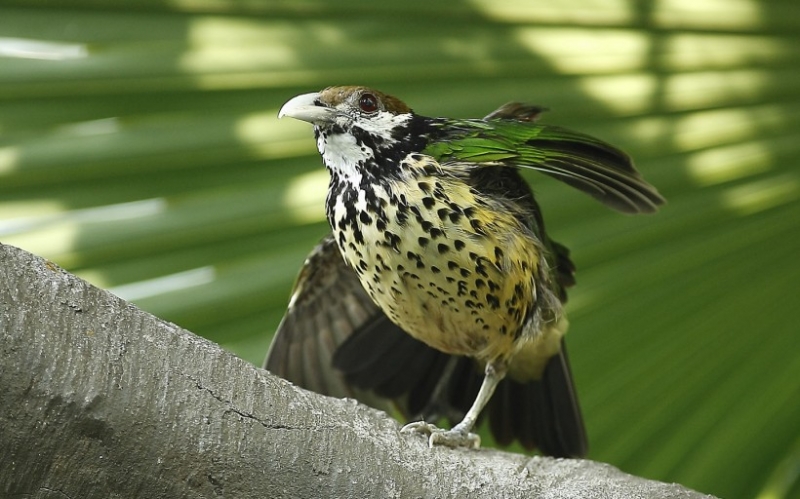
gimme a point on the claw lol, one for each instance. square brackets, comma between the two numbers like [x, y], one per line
[453, 438]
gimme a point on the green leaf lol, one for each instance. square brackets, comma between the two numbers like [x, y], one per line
[140, 148]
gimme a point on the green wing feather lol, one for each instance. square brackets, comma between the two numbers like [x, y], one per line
[584, 162]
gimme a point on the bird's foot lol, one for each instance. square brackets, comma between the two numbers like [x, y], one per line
[455, 437]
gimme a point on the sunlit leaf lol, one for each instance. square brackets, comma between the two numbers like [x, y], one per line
[140, 149]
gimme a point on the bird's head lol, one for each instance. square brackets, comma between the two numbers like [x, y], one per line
[355, 126]
[346, 107]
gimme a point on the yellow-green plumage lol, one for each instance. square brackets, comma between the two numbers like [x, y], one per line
[445, 262]
[467, 268]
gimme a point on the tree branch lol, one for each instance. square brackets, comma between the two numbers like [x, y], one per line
[100, 399]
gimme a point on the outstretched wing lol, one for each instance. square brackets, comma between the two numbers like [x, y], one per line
[516, 111]
[511, 138]
[328, 304]
[333, 340]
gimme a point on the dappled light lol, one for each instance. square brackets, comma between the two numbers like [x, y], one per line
[628, 94]
[581, 51]
[266, 138]
[714, 88]
[140, 149]
[220, 45]
[50, 229]
[688, 51]
[164, 284]
[723, 164]
[305, 196]
[9, 159]
[708, 14]
[91, 127]
[763, 194]
[24, 48]
[578, 12]
[727, 126]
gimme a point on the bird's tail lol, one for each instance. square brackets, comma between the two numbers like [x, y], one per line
[543, 413]
[428, 384]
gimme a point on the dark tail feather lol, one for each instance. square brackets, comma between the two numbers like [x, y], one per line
[541, 414]
[560, 393]
[560, 427]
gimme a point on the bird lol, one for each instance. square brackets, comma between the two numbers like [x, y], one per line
[438, 293]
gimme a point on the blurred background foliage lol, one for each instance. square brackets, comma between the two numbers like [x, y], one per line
[139, 148]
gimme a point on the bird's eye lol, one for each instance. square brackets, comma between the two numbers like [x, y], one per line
[368, 103]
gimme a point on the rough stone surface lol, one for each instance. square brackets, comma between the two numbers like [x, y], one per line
[100, 399]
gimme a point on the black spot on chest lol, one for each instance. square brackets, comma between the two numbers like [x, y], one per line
[353, 220]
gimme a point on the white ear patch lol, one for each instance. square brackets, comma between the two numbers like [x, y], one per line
[382, 124]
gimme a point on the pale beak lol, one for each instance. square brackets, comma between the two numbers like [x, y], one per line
[304, 107]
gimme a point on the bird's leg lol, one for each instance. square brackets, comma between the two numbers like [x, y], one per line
[461, 434]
